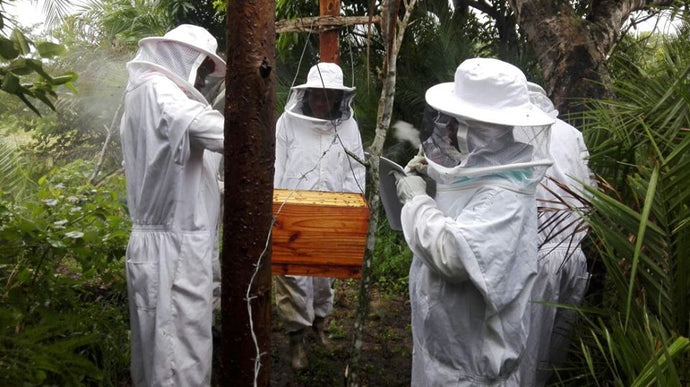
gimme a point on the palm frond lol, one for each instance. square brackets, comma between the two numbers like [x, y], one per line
[16, 180]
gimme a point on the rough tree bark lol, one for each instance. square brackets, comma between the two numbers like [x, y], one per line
[249, 159]
[572, 50]
[394, 31]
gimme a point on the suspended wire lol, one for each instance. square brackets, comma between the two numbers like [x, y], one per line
[249, 298]
[299, 64]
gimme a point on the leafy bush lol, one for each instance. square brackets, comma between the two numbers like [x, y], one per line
[391, 265]
[63, 307]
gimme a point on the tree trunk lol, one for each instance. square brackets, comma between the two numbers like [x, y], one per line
[572, 50]
[383, 119]
[249, 159]
[570, 60]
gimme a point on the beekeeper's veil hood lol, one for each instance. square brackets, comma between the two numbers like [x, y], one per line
[322, 76]
[485, 125]
[178, 54]
[537, 95]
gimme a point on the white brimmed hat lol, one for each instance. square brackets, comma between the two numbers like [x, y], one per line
[325, 75]
[195, 37]
[488, 90]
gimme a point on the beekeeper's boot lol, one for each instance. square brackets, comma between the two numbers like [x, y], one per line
[298, 350]
[319, 326]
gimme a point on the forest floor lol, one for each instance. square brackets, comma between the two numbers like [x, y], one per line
[386, 353]
[387, 350]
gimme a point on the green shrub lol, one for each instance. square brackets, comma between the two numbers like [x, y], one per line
[63, 307]
[392, 258]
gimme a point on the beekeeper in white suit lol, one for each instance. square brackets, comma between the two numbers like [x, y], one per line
[562, 276]
[475, 242]
[313, 138]
[166, 128]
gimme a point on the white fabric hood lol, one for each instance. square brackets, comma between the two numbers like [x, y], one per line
[486, 128]
[178, 62]
[321, 76]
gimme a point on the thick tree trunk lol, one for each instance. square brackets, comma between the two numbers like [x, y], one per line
[570, 59]
[572, 50]
[249, 158]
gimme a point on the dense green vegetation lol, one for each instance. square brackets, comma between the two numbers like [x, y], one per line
[64, 228]
[63, 309]
[637, 322]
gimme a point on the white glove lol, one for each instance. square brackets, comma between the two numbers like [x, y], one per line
[408, 187]
[417, 165]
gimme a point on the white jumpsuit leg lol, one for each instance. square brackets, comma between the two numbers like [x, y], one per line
[300, 299]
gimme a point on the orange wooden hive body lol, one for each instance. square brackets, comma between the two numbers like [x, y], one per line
[319, 233]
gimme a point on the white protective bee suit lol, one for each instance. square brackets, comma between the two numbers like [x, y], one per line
[475, 242]
[311, 155]
[562, 275]
[174, 204]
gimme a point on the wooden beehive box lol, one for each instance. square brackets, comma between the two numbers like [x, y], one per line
[319, 233]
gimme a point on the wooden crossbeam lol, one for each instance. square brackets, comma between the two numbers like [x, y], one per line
[318, 24]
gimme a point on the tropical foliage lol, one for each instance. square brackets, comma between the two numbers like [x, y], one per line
[638, 319]
[63, 314]
[22, 70]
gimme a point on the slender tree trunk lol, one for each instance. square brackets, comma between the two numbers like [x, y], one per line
[249, 158]
[383, 120]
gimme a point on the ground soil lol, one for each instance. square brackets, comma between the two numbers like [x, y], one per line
[387, 350]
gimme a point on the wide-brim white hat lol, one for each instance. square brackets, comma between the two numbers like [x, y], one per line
[195, 37]
[325, 75]
[488, 90]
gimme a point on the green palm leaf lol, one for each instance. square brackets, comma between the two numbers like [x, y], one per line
[15, 179]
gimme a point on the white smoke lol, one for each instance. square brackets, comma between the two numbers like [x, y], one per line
[404, 131]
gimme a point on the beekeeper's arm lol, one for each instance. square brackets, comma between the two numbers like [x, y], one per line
[281, 152]
[432, 238]
[206, 130]
[480, 244]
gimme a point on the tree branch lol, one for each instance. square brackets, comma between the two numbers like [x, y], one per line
[484, 7]
[317, 24]
[607, 19]
[110, 131]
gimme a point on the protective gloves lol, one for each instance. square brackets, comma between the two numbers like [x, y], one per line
[417, 165]
[408, 187]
